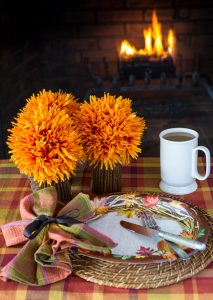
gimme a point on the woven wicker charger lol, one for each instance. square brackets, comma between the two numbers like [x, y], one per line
[137, 276]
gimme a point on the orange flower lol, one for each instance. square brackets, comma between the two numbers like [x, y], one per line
[60, 99]
[43, 142]
[110, 132]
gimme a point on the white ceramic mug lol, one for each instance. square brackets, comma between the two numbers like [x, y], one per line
[178, 160]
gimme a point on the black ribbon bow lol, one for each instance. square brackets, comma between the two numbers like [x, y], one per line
[33, 229]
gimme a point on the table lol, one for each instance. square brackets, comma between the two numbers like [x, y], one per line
[141, 175]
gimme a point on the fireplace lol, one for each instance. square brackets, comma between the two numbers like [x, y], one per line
[154, 58]
[76, 48]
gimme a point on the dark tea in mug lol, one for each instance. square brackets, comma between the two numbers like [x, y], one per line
[178, 136]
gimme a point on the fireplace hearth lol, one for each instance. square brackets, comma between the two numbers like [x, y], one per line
[142, 77]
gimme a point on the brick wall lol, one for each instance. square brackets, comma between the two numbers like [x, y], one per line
[95, 29]
[68, 32]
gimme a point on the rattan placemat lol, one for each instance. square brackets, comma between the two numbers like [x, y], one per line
[125, 275]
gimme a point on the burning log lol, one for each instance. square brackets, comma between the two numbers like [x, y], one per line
[139, 66]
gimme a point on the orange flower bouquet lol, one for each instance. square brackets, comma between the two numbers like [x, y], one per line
[43, 141]
[110, 134]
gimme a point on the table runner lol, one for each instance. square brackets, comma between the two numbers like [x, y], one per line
[141, 175]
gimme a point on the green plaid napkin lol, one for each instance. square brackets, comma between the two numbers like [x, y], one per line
[45, 258]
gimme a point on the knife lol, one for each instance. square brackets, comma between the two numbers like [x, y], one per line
[193, 244]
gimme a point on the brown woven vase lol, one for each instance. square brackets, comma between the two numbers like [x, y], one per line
[106, 181]
[63, 189]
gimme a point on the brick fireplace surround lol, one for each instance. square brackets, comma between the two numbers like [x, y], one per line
[44, 44]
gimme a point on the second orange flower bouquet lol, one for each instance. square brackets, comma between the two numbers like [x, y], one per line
[110, 134]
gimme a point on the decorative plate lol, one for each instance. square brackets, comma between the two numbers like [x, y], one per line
[170, 213]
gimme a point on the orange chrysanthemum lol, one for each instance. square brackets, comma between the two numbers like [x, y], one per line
[60, 99]
[43, 142]
[109, 131]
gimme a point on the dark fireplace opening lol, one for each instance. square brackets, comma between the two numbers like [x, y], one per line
[74, 46]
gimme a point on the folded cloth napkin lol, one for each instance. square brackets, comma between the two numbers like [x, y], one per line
[44, 259]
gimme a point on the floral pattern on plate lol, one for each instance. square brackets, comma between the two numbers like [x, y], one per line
[170, 215]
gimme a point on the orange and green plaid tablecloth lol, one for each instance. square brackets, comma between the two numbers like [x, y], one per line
[141, 175]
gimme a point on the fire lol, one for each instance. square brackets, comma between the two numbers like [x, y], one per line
[153, 42]
[148, 40]
[171, 41]
[127, 48]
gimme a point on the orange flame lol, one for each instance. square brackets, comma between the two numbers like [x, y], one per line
[127, 48]
[148, 40]
[171, 41]
[153, 41]
[157, 35]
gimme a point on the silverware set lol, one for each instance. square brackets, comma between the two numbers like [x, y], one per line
[149, 221]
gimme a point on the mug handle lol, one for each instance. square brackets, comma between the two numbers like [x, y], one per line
[195, 173]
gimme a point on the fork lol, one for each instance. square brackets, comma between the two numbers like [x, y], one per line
[149, 221]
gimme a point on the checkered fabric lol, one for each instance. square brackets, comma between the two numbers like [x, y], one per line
[141, 175]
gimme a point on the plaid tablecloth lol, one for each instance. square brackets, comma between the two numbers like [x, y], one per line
[141, 175]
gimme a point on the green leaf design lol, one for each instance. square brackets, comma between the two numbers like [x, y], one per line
[201, 232]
